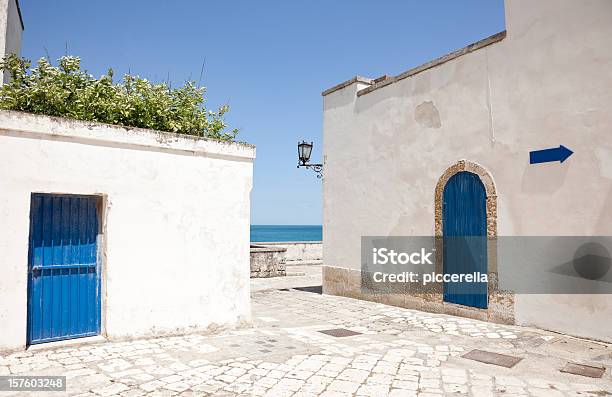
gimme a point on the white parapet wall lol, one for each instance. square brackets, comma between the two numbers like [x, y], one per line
[299, 252]
[174, 243]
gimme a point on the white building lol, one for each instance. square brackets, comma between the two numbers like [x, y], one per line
[392, 144]
[11, 27]
[119, 232]
[114, 231]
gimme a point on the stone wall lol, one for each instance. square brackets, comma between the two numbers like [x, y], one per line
[300, 252]
[267, 261]
[347, 282]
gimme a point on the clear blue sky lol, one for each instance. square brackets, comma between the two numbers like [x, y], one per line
[270, 60]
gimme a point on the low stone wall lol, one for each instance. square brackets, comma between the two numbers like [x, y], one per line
[300, 252]
[267, 261]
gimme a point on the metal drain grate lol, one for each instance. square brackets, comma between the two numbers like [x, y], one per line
[340, 332]
[502, 360]
[584, 370]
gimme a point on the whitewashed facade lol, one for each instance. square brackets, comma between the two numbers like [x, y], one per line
[173, 241]
[11, 28]
[544, 82]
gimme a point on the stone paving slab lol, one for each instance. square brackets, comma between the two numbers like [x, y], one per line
[399, 352]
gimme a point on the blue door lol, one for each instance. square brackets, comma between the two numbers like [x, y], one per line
[63, 272]
[465, 238]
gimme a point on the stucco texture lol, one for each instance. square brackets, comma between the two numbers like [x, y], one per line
[175, 242]
[548, 82]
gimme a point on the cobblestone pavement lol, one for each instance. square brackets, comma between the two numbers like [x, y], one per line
[398, 353]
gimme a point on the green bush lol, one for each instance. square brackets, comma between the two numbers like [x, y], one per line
[67, 91]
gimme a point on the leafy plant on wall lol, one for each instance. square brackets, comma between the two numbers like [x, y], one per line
[67, 91]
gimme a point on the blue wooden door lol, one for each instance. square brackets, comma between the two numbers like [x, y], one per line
[63, 272]
[465, 238]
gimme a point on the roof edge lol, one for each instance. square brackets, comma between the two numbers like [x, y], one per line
[89, 132]
[356, 79]
[436, 62]
[20, 17]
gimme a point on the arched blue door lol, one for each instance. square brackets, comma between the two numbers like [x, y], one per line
[464, 221]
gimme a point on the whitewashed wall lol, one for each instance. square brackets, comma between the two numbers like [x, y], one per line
[11, 28]
[176, 221]
[547, 83]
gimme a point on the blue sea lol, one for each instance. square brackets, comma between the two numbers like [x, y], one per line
[271, 233]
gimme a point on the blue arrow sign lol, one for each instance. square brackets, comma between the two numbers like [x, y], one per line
[559, 154]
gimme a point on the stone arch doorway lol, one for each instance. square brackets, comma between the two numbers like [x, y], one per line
[465, 218]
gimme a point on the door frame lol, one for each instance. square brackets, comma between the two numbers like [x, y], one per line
[102, 207]
[491, 226]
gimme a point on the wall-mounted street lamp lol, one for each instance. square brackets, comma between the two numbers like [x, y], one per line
[304, 151]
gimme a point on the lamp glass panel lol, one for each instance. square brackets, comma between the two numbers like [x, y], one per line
[307, 151]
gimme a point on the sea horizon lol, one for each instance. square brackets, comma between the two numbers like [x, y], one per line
[282, 233]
